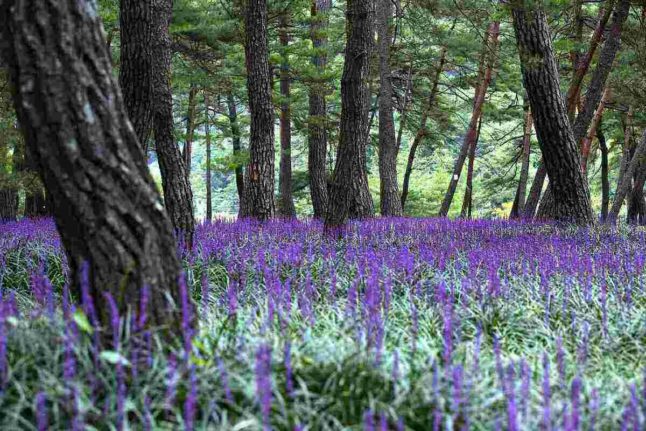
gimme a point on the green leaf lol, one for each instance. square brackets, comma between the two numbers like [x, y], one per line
[114, 358]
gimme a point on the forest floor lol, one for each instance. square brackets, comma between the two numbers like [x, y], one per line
[400, 324]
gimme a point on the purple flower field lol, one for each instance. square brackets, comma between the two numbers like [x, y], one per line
[398, 324]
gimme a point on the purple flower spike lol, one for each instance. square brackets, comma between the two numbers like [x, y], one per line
[42, 422]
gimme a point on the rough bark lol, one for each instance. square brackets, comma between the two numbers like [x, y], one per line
[317, 130]
[187, 154]
[390, 202]
[286, 201]
[605, 184]
[105, 203]
[259, 179]
[627, 183]
[519, 201]
[8, 204]
[207, 179]
[178, 196]
[136, 68]
[490, 47]
[349, 196]
[555, 137]
[422, 131]
[236, 148]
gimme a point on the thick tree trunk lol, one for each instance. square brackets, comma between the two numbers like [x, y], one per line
[519, 201]
[627, 149]
[558, 146]
[467, 202]
[178, 197]
[605, 184]
[286, 201]
[390, 202]
[490, 48]
[136, 68]
[317, 129]
[187, 154]
[207, 179]
[636, 202]
[105, 203]
[259, 180]
[349, 195]
[236, 148]
[422, 131]
[8, 205]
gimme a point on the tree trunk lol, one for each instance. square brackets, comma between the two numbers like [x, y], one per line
[286, 201]
[178, 197]
[634, 168]
[237, 148]
[207, 179]
[349, 195]
[605, 185]
[627, 149]
[467, 203]
[541, 81]
[35, 198]
[519, 201]
[136, 68]
[586, 142]
[187, 154]
[317, 129]
[259, 180]
[8, 205]
[421, 132]
[390, 201]
[490, 47]
[636, 202]
[581, 65]
[404, 109]
[535, 192]
[105, 203]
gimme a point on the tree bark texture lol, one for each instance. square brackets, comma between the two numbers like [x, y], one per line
[187, 154]
[627, 149]
[390, 201]
[286, 201]
[487, 64]
[557, 143]
[178, 196]
[519, 201]
[76, 128]
[317, 130]
[467, 202]
[136, 68]
[259, 180]
[236, 148]
[207, 179]
[349, 196]
[8, 204]
[422, 131]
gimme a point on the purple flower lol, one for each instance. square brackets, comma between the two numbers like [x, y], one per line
[547, 395]
[263, 383]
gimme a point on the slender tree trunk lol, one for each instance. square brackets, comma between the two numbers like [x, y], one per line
[259, 180]
[349, 195]
[582, 64]
[422, 131]
[490, 47]
[187, 153]
[136, 68]
[627, 183]
[627, 149]
[467, 203]
[388, 184]
[535, 192]
[605, 184]
[558, 146]
[636, 202]
[519, 201]
[178, 196]
[317, 110]
[35, 198]
[237, 149]
[286, 201]
[207, 179]
[105, 203]
[586, 142]
[404, 110]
